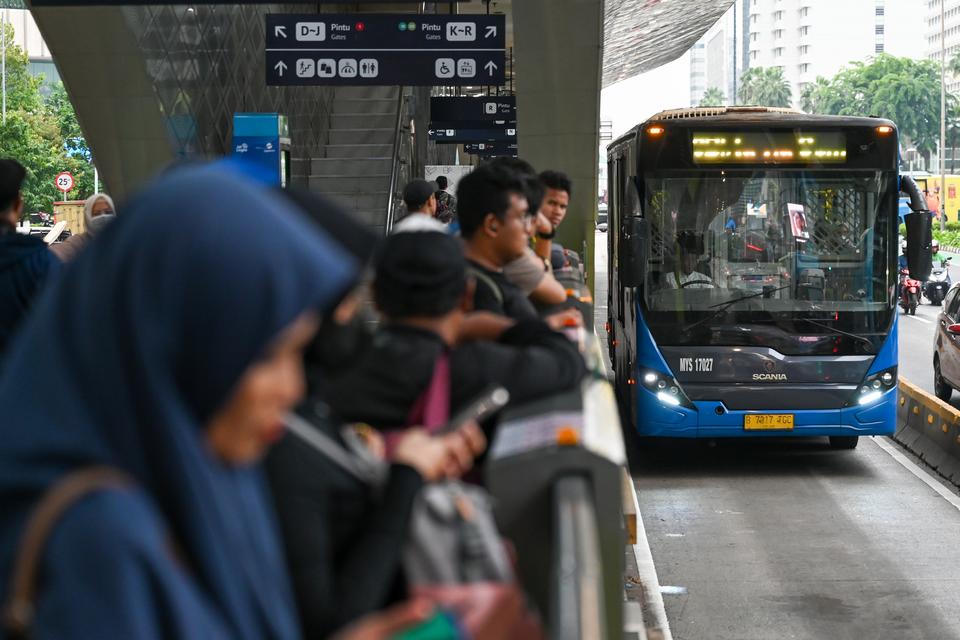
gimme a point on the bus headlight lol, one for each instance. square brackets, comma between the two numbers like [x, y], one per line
[666, 388]
[874, 386]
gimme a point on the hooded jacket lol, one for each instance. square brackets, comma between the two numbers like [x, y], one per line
[70, 248]
[25, 265]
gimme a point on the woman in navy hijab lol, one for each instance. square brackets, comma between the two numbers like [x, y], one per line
[169, 351]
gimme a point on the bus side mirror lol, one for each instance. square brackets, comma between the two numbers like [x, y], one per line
[633, 258]
[919, 238]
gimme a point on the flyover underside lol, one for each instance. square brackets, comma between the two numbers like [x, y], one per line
[155, 83]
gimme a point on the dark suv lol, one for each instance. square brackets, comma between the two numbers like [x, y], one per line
[946, 346]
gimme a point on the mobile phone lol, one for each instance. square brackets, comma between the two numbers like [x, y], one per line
[485, 405]
[441, 626]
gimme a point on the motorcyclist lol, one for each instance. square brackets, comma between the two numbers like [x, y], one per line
[902, 260]
[937, 257]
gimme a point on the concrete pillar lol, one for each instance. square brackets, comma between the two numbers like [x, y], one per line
[558, 48]
[104, 72]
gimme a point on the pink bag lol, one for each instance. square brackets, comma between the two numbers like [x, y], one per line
[432, 408]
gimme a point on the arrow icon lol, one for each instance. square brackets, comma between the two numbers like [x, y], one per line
[430, 132]
[491, 67]
[280, 31]
[280, 67]
[491, 32]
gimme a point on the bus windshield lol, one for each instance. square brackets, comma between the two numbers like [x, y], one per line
[806, 251]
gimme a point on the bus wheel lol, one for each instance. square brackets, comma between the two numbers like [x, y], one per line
[844, 442]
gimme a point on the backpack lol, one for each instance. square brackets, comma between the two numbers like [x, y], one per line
[480, 276]
[446, 207]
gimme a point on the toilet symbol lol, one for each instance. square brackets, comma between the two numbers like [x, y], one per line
[369, 68]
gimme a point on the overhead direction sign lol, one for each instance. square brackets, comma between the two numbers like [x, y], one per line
[385, 49]
[18, 4]
[488, 149]
[465, 132]
[472, 109]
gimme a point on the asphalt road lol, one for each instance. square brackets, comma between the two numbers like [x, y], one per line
[788, 539]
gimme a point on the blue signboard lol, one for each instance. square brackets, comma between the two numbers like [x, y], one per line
[385, 49]
[263, 139]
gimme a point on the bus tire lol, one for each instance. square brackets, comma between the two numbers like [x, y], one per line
[842, 443]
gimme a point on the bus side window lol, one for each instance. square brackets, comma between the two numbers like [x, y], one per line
[622, 214]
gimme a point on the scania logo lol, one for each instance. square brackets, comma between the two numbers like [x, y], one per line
[768, 366]
[770, 377]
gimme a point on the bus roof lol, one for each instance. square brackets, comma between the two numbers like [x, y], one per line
[707, 116]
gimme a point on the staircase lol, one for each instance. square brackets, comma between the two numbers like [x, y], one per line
[358, 158]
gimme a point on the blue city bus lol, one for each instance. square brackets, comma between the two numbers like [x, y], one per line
[753, 272]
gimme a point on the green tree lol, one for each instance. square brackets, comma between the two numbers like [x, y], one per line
[813, 94]
[765, 87]
[713, 97]
[904, 90]
[44, 136]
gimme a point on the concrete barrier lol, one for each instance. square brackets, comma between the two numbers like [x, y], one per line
[929, 428]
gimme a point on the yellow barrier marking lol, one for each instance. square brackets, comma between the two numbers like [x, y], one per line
[629, 508]
[945, 411]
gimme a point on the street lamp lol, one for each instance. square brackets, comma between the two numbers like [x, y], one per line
[943, 116]
[3, 62]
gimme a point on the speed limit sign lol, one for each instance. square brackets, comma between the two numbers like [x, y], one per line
[64, 181]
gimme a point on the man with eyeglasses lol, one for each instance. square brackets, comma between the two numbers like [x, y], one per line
[496, 223]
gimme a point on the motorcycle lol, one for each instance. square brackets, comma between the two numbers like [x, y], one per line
[909, 293]
[935, 289]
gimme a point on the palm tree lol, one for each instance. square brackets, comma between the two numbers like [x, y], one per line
[954, 65]
[712, 97]
[812, 95]
[765, 87]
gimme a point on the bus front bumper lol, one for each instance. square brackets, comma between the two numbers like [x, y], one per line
[707, 419]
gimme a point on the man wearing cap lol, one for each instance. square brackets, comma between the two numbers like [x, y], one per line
[420, 198]
[422, 291]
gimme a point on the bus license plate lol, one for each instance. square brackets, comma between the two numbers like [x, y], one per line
[768, 422]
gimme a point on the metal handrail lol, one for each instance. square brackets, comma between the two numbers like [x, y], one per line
[577, 601]
[395, 168]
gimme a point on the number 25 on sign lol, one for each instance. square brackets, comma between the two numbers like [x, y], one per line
[64, 181]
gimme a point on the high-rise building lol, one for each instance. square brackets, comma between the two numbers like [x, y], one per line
[811, 38]
[726, 48]
[27, 37]
[698, 73]
[951, 23]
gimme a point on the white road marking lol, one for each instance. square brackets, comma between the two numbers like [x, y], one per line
[646, 570]
[918, 471]
[919, 319]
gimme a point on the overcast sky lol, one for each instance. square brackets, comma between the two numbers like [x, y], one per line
[632, 101]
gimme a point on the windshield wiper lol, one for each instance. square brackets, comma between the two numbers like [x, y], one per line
[866, 341]
[723, 306]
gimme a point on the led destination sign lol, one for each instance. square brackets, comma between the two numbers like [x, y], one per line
[766, 147]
